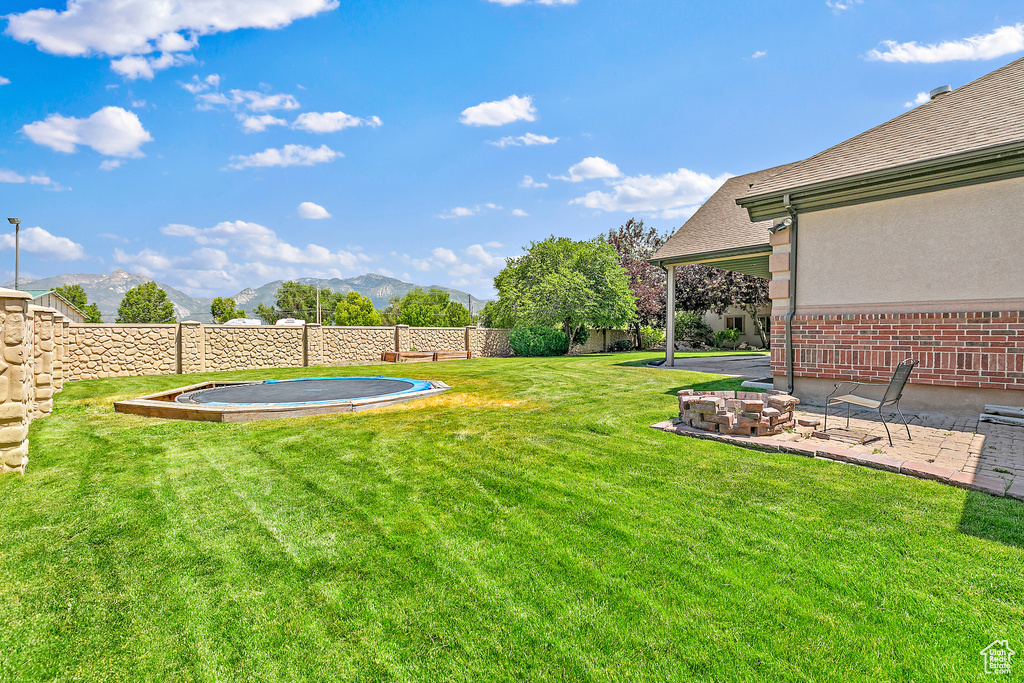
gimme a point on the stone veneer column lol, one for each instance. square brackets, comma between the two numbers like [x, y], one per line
[14, 416]
[192, 347]
[58, 351]
[42, 362]
[401, 337]
[313, 343]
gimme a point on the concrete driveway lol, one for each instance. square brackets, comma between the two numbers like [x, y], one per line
[751, 367]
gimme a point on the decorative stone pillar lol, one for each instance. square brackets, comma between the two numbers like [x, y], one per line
[14, 381]
[59, 320]
[42, 362]
[312, 344]
[401, 337]
[192, 347]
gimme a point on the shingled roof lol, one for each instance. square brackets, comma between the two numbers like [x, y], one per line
[987, 112]
[720, 224]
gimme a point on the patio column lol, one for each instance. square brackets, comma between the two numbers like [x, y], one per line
[670, 316]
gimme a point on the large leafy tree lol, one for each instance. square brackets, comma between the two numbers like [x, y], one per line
[146, 303]
[635, 243]
[564, 283]
[427, 308]
[700, 289]
[296, 300]
[76, 296]
[223, 309]
[355, 309]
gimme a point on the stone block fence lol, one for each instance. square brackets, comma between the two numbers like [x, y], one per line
[41, 349]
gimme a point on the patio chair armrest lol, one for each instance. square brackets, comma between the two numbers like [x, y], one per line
[836, 390]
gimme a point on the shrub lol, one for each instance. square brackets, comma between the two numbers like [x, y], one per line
[581, 336]
[690, 327]
[623, 345]
[538, 341]
[651, 336]
[723, 336]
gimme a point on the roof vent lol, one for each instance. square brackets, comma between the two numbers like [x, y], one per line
[941, 90]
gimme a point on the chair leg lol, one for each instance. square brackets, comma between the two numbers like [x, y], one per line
[827, 404]
[847, 415]
[886, 426]
[904, 420]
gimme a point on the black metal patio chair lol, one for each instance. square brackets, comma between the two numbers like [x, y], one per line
[893, 392]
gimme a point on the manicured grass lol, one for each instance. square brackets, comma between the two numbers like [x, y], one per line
[526, 525]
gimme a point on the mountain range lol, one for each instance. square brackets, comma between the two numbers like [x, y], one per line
[108, 290]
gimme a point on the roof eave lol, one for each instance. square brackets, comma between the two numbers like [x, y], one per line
[968, 168]
[717, 255]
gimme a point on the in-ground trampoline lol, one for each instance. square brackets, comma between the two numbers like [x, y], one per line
[276, 398]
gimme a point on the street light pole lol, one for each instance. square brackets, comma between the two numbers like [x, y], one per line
[16, 222]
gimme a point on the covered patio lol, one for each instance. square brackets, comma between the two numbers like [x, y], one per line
[721, 235]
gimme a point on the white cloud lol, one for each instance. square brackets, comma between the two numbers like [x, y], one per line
[258, 124]
[134, 67]
[41, 243]
[110, 164]
[1003, 41]
[258, 243]
[4, 81]
[7, 176]
[530, 140]
[527, 181]
[464, 211]
[312, 211]
[459, 212]
[841, 5]
[119, 28]
[591, 167]
[512, 108]
[921, 98]
[250, 99]
[759, 54]
[111, 131]
[519, 212]
[332, 121]
[196, 86]
[289, 155]
[672, 195]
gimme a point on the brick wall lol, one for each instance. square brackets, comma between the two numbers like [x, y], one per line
[982, 350]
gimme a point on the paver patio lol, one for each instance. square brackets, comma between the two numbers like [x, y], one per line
[961, 451]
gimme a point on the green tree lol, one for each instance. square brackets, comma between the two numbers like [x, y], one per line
[492, 315]
[356, 310]
[296, 300]
[430, 308]
[146, 303]
[76, 296]
[564, 283]
[223, 309]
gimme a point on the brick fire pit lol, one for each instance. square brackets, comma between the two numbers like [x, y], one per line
[739, 413]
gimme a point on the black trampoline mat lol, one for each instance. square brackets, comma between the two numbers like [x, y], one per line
[299, 391]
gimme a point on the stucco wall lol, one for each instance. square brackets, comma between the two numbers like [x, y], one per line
[356, 344]
[957, 245]
[120, 351]
[717, 322]
[230, 347]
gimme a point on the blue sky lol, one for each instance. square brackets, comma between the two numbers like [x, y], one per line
[427, 140]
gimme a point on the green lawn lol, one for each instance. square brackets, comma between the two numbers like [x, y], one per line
[526, 525]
